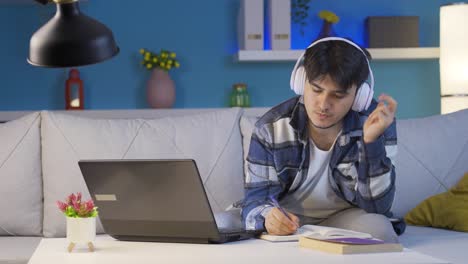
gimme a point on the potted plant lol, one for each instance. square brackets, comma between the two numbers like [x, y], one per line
[160, 86]
[329, 18]
[300, 13]
[81, 220]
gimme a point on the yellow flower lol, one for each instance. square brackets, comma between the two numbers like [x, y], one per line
[165, 59]
[329, 16]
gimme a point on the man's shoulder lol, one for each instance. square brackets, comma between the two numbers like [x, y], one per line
[282, 110]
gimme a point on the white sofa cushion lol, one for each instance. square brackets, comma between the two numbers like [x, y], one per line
[212, 139]
[439, 243]
[20, 177]
[432, 157]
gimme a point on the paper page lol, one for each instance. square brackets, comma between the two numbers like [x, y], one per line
[325, 232]
[294, 237]
[317, 232]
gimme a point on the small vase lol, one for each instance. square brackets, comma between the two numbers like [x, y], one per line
[327, 30]
[239, 96]
[160, 89]
[81, 231]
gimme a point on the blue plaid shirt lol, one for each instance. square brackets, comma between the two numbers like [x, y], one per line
[362, 174]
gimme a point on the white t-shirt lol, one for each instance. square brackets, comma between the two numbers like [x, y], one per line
[314, 200]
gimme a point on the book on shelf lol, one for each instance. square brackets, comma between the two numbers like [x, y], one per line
[279, 24]
[250, 20]
[315, 231]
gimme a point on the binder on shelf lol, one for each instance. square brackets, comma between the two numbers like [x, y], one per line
[279, 24]
[250, 25]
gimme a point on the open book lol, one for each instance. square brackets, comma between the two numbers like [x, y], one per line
[317, 232]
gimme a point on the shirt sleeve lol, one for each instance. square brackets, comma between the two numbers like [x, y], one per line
[261, 180]
[376, 172]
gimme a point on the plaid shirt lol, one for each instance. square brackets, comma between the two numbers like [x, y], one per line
[361, 174]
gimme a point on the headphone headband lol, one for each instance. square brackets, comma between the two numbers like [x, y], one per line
[301, 58]
[365, 91]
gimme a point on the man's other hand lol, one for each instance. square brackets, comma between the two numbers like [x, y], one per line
[380, 119]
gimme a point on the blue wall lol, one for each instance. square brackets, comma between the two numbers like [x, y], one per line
[203, 33]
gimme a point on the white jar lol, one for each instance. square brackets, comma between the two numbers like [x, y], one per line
[81, 230]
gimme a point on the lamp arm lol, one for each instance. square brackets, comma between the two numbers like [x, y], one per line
[42, 1]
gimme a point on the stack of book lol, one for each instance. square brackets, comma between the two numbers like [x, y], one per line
[336, 240]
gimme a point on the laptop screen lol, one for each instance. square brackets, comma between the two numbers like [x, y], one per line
[163, 198]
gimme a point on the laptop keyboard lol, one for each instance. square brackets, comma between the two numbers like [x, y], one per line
[231, 230]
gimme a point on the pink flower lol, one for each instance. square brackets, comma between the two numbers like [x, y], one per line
[89, 205]
[75, 207]
[62, 206]
[71, 199]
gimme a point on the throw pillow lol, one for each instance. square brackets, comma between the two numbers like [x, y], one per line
[447, 210]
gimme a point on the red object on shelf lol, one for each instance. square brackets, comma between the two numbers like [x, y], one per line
[74, 99]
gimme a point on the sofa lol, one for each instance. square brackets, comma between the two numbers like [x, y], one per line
[40, 150]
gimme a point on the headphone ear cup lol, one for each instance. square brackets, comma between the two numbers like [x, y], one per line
[363, 98]
[299, 80]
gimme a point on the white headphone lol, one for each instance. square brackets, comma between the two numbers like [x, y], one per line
[364, 93]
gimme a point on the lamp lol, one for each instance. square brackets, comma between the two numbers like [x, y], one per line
[70, 39]
[454, 57]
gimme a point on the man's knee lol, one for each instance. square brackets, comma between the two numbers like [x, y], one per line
[377, 225]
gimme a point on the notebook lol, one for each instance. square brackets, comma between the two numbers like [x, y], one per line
[349, 245]
[317, 232]
[155, 200]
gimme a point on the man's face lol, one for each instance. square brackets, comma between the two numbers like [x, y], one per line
[327, 103]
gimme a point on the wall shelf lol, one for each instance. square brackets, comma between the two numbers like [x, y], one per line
[376, 53]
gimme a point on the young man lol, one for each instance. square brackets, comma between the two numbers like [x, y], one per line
[327, 155]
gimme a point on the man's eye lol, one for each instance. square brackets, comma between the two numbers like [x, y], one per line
[316, 91]
[340, 96]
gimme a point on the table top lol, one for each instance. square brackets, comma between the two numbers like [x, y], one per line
[109, 250]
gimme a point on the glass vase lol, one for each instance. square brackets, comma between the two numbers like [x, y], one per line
[239, 96]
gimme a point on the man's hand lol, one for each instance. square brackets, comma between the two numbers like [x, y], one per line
[380, 119]
[276, 223]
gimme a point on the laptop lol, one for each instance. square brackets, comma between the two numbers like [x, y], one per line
[155, 200]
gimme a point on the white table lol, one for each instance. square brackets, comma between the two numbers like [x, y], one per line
[109, 250]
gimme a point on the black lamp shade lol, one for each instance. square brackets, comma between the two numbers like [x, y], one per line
[71, 39]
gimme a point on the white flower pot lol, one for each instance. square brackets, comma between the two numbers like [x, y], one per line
[81, 230]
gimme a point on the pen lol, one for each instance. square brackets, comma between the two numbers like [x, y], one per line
[275, 203]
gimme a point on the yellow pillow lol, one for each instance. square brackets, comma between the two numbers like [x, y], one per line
[447, 210]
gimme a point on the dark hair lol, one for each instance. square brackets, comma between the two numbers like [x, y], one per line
[345, 64]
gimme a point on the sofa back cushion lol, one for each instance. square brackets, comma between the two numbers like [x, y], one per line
[432, 157]
[212, 139]
[20, 177]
